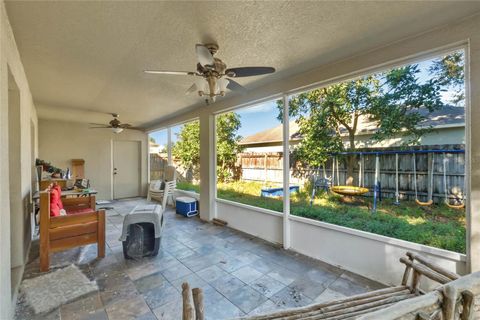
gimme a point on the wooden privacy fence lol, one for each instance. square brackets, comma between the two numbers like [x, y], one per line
[268, 168]
[159, 162]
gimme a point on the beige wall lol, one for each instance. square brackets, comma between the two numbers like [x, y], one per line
[462, 33]
[10, 60]
[61, 141]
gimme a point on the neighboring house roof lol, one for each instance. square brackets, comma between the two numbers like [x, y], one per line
[447, 116]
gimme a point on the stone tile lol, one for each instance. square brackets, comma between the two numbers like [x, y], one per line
[264, 265]
[98, 315]
[267, 307]
[231, 264]
[82, 308]
[192, 279]
[161, 295]
[183, 253]
[290, 298]
[365, 282]
[283, 275]
[267, 286]
[222, 309]
[147, 316]
[149, 282]
[247, 274]
[328, 295]
[198, 263]
[211, 273]
[142, 270]
[325, 277]
[169, 311]
[227, 284]
[118, 293]
[246, 298]
[347, 287]
[176, 272]
[309, 288]
[127, 309]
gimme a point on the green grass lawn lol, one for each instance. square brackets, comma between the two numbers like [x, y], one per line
[437, 226]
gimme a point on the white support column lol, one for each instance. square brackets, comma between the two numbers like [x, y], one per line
[169, 146]
[208, 178]
[286, 174]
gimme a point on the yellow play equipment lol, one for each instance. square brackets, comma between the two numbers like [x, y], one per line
[349, 190]
[429, 202]
[445, 187]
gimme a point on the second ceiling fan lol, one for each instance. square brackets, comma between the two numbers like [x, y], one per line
[213, 76]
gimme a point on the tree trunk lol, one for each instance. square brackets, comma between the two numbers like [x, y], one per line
[351, 160]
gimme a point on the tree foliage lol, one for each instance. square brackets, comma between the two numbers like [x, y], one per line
[187, 149]
[227, 126]
[394, 101]
[450, 72]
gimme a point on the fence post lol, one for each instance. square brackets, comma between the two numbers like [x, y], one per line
[430, 169]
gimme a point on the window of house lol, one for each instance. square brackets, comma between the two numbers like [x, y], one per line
[384, 153]
[249, 156]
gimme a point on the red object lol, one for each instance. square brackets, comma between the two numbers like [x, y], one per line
[54, 199]
[79, 211]
[59, 190]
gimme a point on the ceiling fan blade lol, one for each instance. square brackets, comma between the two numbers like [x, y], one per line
[98, 124]
[248, 71]
[103, 127]
[235, 86]
[176, 73]
[192, 89]
[204, 56]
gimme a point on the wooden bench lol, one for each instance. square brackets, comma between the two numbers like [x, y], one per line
[452, 300]
[73, 230]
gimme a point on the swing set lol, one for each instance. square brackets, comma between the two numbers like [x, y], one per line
[350, 190]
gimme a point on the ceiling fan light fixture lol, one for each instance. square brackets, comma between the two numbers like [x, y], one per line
[117, 130]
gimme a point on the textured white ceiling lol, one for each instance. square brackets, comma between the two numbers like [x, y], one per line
[90, 55]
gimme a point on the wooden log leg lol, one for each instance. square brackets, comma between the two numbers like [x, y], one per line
[101, 234]
[44, 257]
[198, 303]
[187, 307]
[468, 303]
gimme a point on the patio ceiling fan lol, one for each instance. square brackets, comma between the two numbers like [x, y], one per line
[115, 125]
[213, 77]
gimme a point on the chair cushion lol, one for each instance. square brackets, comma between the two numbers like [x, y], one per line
[59, 190]
[79, 210]
[54, 199]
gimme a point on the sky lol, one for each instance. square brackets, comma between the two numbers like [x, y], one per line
[264, 116]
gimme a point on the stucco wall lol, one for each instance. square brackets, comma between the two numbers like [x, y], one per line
[61, 141]
[258, 222]
[10, 60]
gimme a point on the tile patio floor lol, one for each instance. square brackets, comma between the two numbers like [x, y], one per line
[240, 274]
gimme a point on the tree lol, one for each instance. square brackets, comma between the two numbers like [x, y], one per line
[391, 99]
[450, 72]
[227, 126]
[187, 149]
[152, 140]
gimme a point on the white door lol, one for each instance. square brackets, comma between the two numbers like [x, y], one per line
[126, 169]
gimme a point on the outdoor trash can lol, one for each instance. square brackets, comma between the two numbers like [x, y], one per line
[141, 232]
[186, 206]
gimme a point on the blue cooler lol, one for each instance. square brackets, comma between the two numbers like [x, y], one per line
[186, 206]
